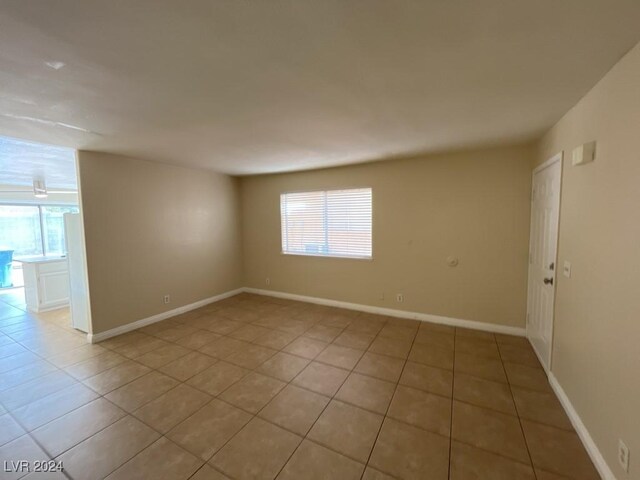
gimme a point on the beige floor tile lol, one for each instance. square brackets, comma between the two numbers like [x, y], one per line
[522, 354]
[35, 389]
[140, 347]
[422, 409]
[17, 376]
[483, 393]
[101, 454]
[186, 367]
[130, 337]
[19, 360]
[249, 333]
[323, 333]
[424, 377]
[373, 474]
[527, 377]
[223, 347]
[276, 339]
[208, 473]
[541, 407]
[174, 334]
[217, 378]
[163, 460]
[357, 340]
[253, 392]
[432, 355]
[380, 366]
[481, 367]
[558, 451]
[434, 338]
[476, 334]
[479, 348]
[9, 429]
[391, 346]
[321, 378]
[225, 326]
[489, 430]
[315, 462]
[410, 453]
[295, 409]
[251, 356]
[171, 408]
[283, 366]
[63, 433]
[343, 357]
[207, 430]
[468, 462]
[258, 451]
[305, 347]
[46, 409]
[197, 339]
[22, 448]
[543, 475]
[366, 392]
[365, 325]
[115, 377]
[346, 429]
[95, 365]
[142, 390]
[294, 326]
[399, 332]
[163, 355]
[77, 355]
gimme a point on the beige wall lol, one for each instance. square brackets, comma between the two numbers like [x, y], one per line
[153, 229]
[596, 354]
[474, 205]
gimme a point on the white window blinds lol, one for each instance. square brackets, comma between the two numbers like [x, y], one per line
[331, 223]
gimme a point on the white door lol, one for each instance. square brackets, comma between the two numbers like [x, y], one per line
[543, 243]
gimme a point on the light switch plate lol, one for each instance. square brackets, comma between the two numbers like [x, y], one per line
[566, 269]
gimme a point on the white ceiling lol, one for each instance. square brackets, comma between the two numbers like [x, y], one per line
[262, 86]
[23, 162]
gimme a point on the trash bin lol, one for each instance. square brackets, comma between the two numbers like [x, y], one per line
[6, 257]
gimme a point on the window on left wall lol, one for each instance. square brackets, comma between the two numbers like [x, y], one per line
[31, 230]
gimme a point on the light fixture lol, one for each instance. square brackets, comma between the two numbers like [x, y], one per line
[40, 189]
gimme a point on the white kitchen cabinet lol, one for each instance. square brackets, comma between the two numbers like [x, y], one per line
[46, 283]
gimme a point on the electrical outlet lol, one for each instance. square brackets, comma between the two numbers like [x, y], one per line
[566, 269]
[267, 281]
[166, 299]
[623, 455]
[399, 297]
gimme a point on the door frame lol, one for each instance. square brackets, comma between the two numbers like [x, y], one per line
[558, 157]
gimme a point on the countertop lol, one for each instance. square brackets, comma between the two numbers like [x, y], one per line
[41, 259]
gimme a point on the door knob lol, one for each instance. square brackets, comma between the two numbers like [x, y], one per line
[548, 281]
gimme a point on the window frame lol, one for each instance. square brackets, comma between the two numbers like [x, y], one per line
[322, 255]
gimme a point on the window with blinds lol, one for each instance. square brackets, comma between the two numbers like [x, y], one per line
[329, 223]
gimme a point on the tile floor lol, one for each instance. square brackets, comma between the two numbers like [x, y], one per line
[258, 388]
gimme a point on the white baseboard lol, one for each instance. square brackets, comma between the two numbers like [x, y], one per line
[591, 447]
[424, 317]
[98, 337]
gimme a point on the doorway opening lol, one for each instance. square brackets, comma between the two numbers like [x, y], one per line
[39, 207]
